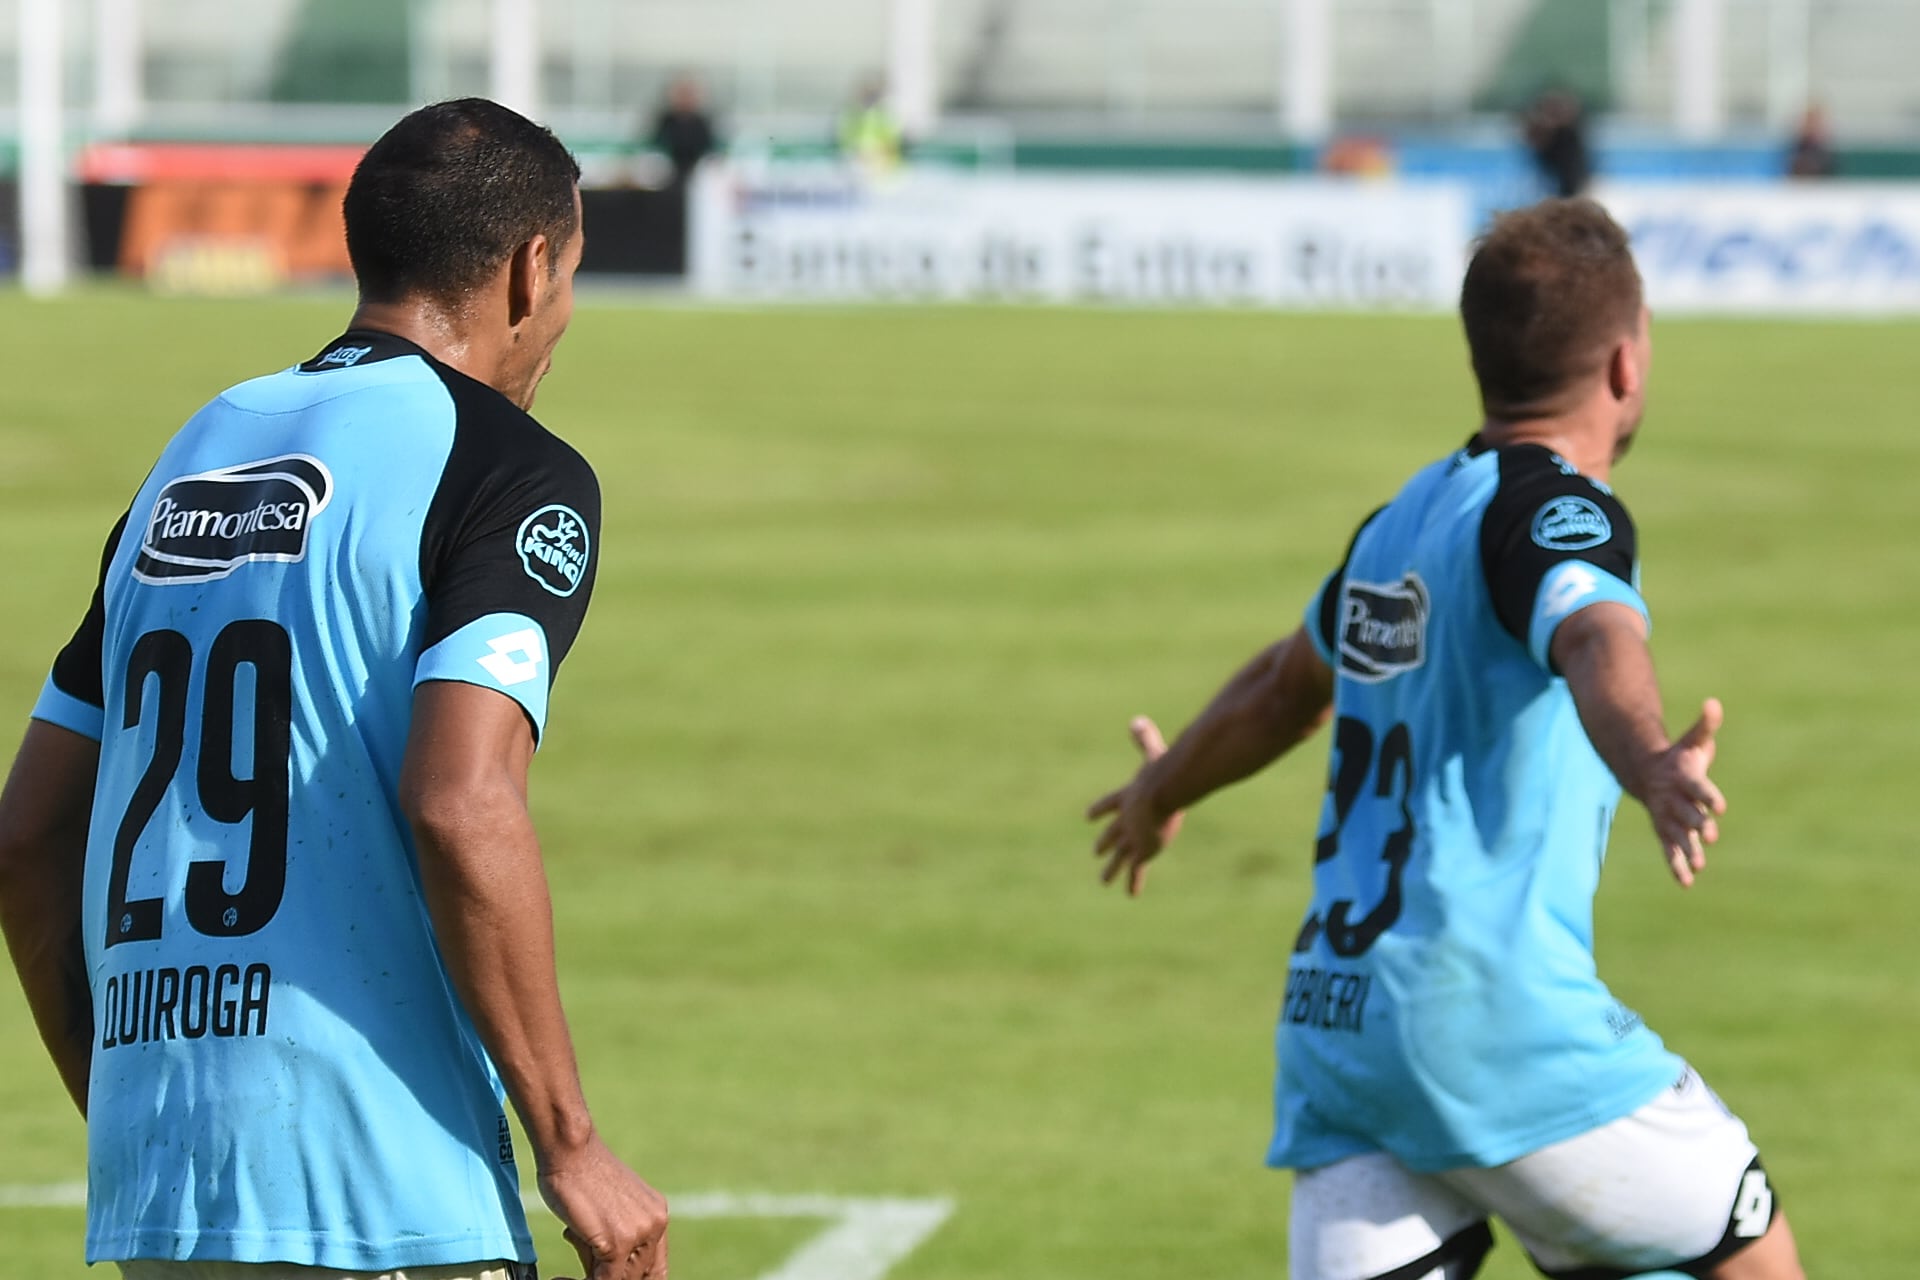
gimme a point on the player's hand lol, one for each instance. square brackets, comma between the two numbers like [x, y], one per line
[1138, 829]
[613, 1220]
[1682, 800]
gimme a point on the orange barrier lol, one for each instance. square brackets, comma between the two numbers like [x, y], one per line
[297, 227]
[133, 163]
[228, 218]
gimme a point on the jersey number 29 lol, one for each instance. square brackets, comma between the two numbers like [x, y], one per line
[261, 796]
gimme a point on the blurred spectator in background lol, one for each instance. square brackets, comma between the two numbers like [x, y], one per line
[1811, 155]
[1556, 133]
[683, 131]
[868, 134]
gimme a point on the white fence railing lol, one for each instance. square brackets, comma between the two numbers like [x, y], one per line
[1124, 64]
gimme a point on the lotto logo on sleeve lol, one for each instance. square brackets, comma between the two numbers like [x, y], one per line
[514, 658]
[554, 546]
[1566, 587]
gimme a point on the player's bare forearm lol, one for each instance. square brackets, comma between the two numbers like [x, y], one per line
[44, 815]
[493, 920]
[1272, 704]
[463, 789]
[1602, 651]
[1269, 707]
[463, 786]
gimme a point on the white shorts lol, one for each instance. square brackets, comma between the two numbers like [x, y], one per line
[155, 1269]
[1675, 1184]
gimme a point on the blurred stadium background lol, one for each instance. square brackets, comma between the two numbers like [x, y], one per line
[883, 583]
[199, 142]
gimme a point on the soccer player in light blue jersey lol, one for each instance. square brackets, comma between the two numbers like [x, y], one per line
[267, 870]
[1447, 1051]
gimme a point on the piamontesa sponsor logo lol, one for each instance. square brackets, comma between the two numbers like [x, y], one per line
[553, 546]
[1383, 628]
[205, 526]
[1571, 524]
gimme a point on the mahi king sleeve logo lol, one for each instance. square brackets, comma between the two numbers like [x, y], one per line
[1571, 524]
[205, 526]
[1383, 628]
[554, 546]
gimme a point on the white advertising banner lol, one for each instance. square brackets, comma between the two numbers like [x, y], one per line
[1813, 247]
[828, 233]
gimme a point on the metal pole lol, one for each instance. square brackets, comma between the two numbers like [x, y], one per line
[1306, 78]
[913, 78]
[43, 160]
[1625, 41]
[515, 67]
[1789, 63]
[1699, 105]
[418, 76]
[1450, 92]
[119, 89]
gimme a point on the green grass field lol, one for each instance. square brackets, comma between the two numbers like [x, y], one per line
[879, 591]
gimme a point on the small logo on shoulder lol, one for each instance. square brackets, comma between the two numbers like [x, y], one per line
[1383, 628]
[344, 356]
[554, 547]
[205, 526]
[1571, 524]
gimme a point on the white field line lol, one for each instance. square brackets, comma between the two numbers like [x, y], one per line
[47, 1195]
[863, 1239]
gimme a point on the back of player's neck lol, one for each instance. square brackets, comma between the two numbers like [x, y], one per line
[1566, 435]
[443, 334]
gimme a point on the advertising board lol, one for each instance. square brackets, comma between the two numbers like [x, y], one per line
[218, 218]
[1829, 248]
[834, 233]
[239, 218]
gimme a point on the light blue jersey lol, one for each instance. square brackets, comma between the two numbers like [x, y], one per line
[1442, 1003]
[282, 1070]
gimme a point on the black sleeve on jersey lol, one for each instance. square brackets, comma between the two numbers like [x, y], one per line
[504, 468]
[1329, 620]
[77, 670]
[1521, 541]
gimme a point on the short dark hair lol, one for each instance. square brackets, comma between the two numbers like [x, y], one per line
[1550, 289]
[442, 199]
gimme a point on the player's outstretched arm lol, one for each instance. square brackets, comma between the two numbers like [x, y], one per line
[463, 787]
[44, 814]
[1602, 651]
[1274, 702]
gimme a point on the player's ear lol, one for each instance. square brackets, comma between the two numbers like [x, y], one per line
[1625, 377]
[527, 278]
